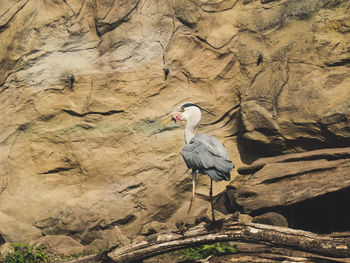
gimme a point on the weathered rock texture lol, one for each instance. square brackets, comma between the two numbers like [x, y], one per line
[82, 87]
[60, 245]
[310, 189]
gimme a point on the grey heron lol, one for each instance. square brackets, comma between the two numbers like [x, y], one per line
[203, 153]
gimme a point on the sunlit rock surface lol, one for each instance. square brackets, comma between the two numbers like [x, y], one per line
[82, 88]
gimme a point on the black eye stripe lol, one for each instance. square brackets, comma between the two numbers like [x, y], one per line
[189, 105]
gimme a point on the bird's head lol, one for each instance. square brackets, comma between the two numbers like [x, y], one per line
[188, 111]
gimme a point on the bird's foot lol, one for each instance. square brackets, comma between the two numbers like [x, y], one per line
[181, 228]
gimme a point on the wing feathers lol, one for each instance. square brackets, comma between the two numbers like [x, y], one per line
[208, 155]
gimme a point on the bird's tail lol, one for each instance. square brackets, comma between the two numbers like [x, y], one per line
[218, 176]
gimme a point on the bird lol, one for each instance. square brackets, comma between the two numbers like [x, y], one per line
[260, 59]
[202, 153]
[166, 73]
[71, 80]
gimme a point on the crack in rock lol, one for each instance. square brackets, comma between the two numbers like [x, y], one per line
[106, 113]
[104, 27]
[11, 13]
[58, 170]
[337, 63]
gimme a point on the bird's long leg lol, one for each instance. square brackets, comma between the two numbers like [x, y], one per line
[211, 200]
[192, 199]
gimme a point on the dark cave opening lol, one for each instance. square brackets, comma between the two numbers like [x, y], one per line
[2, 240]
[324, 215]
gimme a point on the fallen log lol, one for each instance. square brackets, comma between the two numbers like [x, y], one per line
[272, 236]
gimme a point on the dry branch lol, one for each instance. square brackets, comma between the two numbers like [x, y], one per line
[235, 231]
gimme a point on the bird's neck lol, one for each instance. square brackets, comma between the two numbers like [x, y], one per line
[189, 131]
[192, 116]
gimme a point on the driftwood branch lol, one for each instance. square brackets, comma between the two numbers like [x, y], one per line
[234, 231]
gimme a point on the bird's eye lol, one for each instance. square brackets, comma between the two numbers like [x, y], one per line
[182, 109]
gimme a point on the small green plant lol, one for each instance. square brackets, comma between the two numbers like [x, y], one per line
[204, 251]
[23, 253]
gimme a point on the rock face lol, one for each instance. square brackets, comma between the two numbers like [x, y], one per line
[271, 218]
[83, 85]
[310, 189]
[60, 245]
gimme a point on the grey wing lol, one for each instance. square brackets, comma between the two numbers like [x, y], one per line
[213, 145]
[199, 156]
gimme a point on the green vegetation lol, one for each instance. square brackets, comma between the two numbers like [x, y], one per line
[204, 251]
[23, 253]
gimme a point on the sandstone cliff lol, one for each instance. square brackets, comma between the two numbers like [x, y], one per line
[83, 86]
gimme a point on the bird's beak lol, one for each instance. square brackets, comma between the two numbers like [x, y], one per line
[168, 118]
